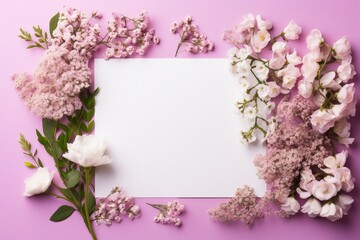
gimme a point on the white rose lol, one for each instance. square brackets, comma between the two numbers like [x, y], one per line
[312, 207]
[39, 182]
[323, 190]
[87, 151]
[344, 201]
[342, 48]
[291, 206]
[331, 212]
[292, 31]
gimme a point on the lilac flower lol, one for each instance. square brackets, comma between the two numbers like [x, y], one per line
[169, 213]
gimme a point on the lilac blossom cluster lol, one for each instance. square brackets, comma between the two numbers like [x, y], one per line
[326, 72]
[114, 207]
[63, 72]
[245, 207]
[194, 41]
[127, 36]
[169, 213]
[261, 79]
[324, 189]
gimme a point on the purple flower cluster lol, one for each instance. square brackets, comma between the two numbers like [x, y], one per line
[129, 35]
[169, 213]
[114, 207]
[190, 37]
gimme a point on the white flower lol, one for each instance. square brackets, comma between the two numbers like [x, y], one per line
[342, 49]
[263, 90]
[305, 88]
[346, 71]
[344, 201]
[263, 24]
[39, 182]
[288, 82]
[293, 58]
[261, 71]
[328, 81]
[250, 113]
[274, 89]
[342, 129]
[247, 22]
[292, 31]
[244, 52]
[319, 97]
[331, 212]
[291, 206]
[322, 120]
[260, 40]
[314, 39]
[336, 162]
[270, 106]
[306, 183]
[312, 207]
[87, 151]
[243, 69]
[244, 85]
[280, 48]
[346, 93]
[343, 175]
[323, 190]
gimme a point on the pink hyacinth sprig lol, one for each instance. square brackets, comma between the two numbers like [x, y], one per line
[114, 207]
[261, 78]
[190, 37]
[327, 71]
[169, 213]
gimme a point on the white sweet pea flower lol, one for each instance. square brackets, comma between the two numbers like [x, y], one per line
[280, 48]
[319, 97]
[328, 81]
[343, 175]
[244, 85]
[244, 52]
[263, 90]
[344, 201]
[294, 58]
[39, 182]
[346, 93]
[342, 49]
[291, 206]
[312, 207]
[274, 89]
[250, 113]
[292, 31]
[305, 88]
[342, 130]
[346, 71]
[322, 120]
[247, 22]
[263, 24]
[314, 39]
[336, 162]
[310, 67]
[260, 40]
[87, 151]
[331, 212]
[306, 183]
[323, 190]
[243, 69]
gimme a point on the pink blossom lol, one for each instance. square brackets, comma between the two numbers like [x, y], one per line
[291, 206]
[322, 120]
[314, 39]
[342, 130]
[305, 88]
[277, 61]
[260, 40]
[310, 67]
[263, 24]
[312, 207]
[342, 49]
[280, 48]
[344, 201]
[274, 89]
[323, 190]
[331, 212]
[328, 81]
[346, 94]
[169, 213]
[294, 58]
[346, 71]
[292, 31]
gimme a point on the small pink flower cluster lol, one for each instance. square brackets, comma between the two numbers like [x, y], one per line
[63, 72]
[245, 207]
[112, 208]
[190, 35]
[129, 35]
[169, 213]
[332, 93]
[324, 190]
[261, 79]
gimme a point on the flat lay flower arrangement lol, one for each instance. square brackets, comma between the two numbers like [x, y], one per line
[298, 105]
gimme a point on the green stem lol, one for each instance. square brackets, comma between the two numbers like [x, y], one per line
[178, 48]
[88, 179]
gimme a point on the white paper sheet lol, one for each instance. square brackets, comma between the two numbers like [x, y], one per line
[172, 129]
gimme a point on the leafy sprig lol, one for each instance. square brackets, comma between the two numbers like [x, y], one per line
[26, 147]
[42, 40]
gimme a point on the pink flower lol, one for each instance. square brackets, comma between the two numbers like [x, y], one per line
[280, 48]
[346, 94]
[310, 67]
[336, 162]
[343, 175]
[331, 212]
[291, 206]
[312, 207]
[305, 88]
[323, 190]
[292, 31]
[260, 40]
[247, 22]
[277, 61]
[306, 183]
[344, 201]
[263, 24]
[322, 120]
[293, 58]
[342, 130]
[314, 39]
[328, 81]
[342, 49]
[274, 89]
[346, 71]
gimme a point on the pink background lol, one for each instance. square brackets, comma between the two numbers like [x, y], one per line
[27, 218]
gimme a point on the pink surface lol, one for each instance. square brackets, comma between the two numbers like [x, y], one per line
[27, 218]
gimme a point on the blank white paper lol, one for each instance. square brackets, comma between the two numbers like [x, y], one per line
[172, 129]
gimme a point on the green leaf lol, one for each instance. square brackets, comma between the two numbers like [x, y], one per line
[29, 165]
[91, 202]
[72, 178]
[53, 24]
[90, 126]
[49, 128]
[40, 163]
[62, 213]
[25, 145]
[42, 139]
